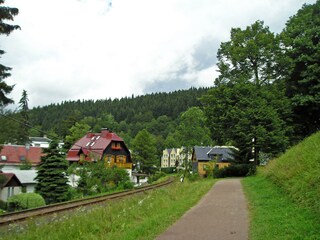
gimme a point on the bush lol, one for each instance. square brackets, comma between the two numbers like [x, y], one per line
[235, 170]
[193, 177]
[156, 176]
[169, 170]
[3, 205]
[25, 201]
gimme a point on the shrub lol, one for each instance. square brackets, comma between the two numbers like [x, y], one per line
[156, 176]
[193, 177]
[169, 170]
[3, 205]
[25, 201]
[235, 170]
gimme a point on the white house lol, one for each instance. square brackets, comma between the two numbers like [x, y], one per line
[26, 178]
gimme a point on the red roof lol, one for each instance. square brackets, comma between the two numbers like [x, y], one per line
[15, 154]
[92, 142]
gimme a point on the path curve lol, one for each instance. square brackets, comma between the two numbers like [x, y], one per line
[221, 214]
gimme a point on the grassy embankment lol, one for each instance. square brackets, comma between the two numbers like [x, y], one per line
[284, 196]
[140, 217]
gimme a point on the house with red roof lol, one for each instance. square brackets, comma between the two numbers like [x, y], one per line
[13, 156]
[9, 185]
[105, 145]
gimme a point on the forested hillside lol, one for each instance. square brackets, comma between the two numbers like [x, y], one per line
[265, 99]
[156, 112]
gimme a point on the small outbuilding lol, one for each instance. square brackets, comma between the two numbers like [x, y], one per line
[9, 186]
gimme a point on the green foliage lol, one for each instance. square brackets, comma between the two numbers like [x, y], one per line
[6, 13]
[77, 131]
[25, 201]
[23, 132]
[235, 170]
[3, 204]
[297, 172]
[191, 130]
[248, 101]
[169, 170]
[97, 177]
[239, 112]
[26, 165]
[250, 55]
[156, 176]
[51, 176]
[301, 46]
[144, 151]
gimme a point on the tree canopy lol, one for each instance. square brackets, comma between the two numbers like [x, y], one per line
[301, 45]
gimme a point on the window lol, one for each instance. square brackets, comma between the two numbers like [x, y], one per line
[121, 159]
[115, 146]
[109, 158]
[3, 158]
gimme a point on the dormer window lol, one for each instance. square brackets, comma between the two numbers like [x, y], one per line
[115, 146]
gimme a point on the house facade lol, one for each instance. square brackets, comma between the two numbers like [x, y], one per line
[26, 178]
[9, 186]
[174, 157]
[105, 145]
[12, 157]
[204, 157]
[42, 142]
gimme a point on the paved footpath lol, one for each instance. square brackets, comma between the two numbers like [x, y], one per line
[221, 214]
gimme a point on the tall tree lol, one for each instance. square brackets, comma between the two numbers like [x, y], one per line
[301, 41]
[191, 129]
[251, 120]
[244, 108]
[145, 151]
[250, 55]
[51, 175]
[6, 13]
[23, 131]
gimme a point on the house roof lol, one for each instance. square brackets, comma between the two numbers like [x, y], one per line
[225, 151]
[24, 176]
[92, 142]
[14, 154]
[40, 139]
[10, 180]
[201, 153]
[207, 153]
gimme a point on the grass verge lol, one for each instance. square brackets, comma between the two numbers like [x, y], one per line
[274, 215]
[140, 217]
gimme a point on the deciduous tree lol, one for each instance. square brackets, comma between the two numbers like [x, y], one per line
[301, 42]
[145, 151]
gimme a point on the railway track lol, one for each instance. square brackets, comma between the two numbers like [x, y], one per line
[14, 217]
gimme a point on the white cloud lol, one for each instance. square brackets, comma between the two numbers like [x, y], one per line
[85, 49]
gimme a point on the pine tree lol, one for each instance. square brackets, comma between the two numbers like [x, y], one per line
[52, 180]
[23, 134]
[6, 13]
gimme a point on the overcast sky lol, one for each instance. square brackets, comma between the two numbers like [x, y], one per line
[98, 49]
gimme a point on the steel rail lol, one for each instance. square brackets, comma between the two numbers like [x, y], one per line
[8, 218]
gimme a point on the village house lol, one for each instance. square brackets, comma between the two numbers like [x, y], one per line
[174, 157]
[26, 178]
[12, 157]
[9, 186]
[106, 146]
[214, 157]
